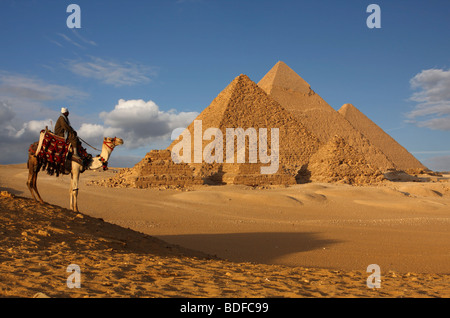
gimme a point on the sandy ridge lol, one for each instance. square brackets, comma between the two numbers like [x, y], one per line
[40, 241]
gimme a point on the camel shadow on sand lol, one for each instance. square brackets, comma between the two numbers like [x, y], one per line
[259, 247]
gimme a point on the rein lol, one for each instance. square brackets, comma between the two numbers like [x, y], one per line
[106, 143]
[88, 144]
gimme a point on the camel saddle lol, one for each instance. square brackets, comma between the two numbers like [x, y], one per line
[55, 155]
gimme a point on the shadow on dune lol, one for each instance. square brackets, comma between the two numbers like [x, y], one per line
[56, 230]
[12, 191]
[259, 247]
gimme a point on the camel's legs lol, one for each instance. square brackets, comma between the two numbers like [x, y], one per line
[29, 185]
[32, 178]
[74, 188]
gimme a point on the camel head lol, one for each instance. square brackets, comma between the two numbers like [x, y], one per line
[112, 142]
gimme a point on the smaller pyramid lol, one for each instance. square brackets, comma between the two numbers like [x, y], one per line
[339, 162]
[156, 170]
[402, 159]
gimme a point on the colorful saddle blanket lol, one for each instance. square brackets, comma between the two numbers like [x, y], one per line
[55, 152]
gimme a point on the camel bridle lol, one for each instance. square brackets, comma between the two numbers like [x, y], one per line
[113, 142]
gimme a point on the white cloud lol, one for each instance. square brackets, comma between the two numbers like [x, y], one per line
[6, 114]
[112, 72]
[435, 84]
[433, 98]
[82, 38]
[31, 129]
[139, 123]
[24, 112]
[91, 131]
[20, 86]
[442, 123]
[69, 40]
[16, 136]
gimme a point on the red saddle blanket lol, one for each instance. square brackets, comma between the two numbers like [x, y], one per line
[54, 153]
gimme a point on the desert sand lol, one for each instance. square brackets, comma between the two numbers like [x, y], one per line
[305, 240]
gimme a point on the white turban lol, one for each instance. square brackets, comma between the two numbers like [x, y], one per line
[64, 110]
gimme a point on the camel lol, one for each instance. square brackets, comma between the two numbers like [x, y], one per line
[75, 169]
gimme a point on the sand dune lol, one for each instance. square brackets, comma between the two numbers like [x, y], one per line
[312, 240]
[220, 198]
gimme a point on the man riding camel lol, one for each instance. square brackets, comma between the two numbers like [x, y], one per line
[64, 129]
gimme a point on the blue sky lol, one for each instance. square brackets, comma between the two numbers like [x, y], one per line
[139, 69]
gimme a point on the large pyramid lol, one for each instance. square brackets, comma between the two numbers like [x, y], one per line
[392, 149]
[296, 96]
